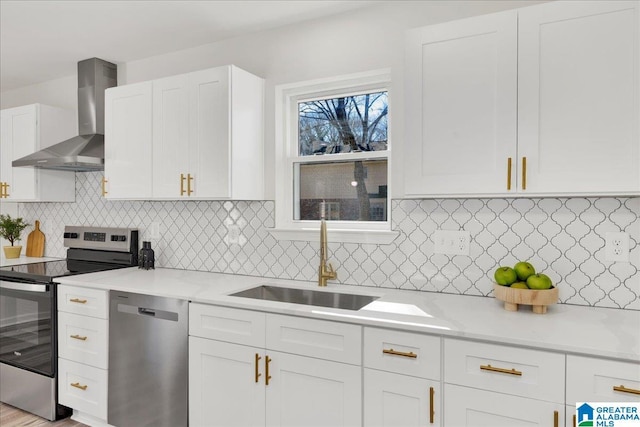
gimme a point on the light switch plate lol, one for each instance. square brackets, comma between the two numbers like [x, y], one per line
[451, 242]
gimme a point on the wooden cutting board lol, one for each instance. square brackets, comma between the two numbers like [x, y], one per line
[35, 242]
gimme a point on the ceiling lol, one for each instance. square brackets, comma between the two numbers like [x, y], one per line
[44, 40]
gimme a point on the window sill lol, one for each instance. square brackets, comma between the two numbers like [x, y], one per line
[378, 237]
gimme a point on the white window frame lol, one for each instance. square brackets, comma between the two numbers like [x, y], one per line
[287, 98]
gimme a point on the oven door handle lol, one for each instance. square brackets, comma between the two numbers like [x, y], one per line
[27, 287]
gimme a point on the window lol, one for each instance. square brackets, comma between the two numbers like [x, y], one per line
[333, 157]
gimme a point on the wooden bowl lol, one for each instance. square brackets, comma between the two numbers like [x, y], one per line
[538, 298]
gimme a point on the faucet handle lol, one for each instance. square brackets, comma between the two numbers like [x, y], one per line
[332, 272]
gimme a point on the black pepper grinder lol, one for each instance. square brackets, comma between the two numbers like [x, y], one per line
[147, 258]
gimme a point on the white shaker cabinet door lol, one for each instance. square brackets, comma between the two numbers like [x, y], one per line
[579, 97]
[470, 407]
[170, 136]
[305, 391]
[394, 400]
[226, 387]
[461, 92]
[19, 139]
[209, 139]
[128, 141]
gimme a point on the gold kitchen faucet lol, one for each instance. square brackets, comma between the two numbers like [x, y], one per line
[324, 272]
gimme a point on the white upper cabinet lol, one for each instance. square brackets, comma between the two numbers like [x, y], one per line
[128, 142]
[23, 131]
[578, 97]
[206, 136]
[461, 92]
[536, 101]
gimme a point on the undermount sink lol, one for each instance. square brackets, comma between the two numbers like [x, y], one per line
[307, 297]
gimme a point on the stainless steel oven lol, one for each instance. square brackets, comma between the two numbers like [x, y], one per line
[28, 314]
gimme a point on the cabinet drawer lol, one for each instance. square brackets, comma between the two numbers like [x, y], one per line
[521, 372]
[593, 380]
[227, 324]
[83, 388]
[83, 339]
[402, 352]
[85, 301]
[315, 338]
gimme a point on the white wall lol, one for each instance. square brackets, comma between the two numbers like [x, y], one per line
[361, 40]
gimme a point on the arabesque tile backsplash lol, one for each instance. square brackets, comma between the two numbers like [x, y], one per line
[562, 237]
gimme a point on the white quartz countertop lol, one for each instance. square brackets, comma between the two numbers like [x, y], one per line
[4, 262]
[604, 332]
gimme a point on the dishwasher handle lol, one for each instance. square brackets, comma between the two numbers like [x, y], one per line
[148, 312]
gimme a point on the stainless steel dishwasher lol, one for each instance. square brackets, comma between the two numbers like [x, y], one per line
[148, 359]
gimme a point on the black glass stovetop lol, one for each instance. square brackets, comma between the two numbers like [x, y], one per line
[47, 271]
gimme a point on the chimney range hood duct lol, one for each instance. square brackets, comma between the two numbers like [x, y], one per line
[83, 153]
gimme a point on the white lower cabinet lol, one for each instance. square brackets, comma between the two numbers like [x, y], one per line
[470, 407]
[234, 384]
[394, 400]
[401, 378]
[225, 384]
[496, 385]
[83, 352]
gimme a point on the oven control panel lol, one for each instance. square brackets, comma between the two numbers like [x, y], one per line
[103, 238]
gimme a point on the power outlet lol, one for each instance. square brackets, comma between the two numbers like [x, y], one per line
[616, 247]
[154, 233]
[451, 242]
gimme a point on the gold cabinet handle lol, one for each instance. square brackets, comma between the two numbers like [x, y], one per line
[501, 370]
[189, 180]
[78, 337]
[104, 187]
[393, 352]
[524, 173]
[624, 389]
[78, 300]
[509, 173]
[182, 190]
[432, 411]
[4, 187]
[574, 420]
[555, 418]
[77, 385]
[267, 377]
[258, 374]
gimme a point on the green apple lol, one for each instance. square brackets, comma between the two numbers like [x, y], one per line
[524, 270]
[520, 285]
[539, 281]
[505, 276]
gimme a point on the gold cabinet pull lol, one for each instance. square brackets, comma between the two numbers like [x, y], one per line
[524, 173]
[391, 351]
[574, 420]
[77, 385]
[267, 377]
[4, 187]
[501, 370]
[555, 418]
[78, 300]
[182, 190]
[258, 374]
[624, 389]
[78, 337]
[189, 180]
[509, 173]
[432, 412]
[104, 187]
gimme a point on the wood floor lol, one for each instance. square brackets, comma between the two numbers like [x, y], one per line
[13, 417]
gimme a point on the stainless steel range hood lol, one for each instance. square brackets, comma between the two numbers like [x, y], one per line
[83, 153]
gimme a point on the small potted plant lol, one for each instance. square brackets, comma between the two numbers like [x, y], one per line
[10, 229]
